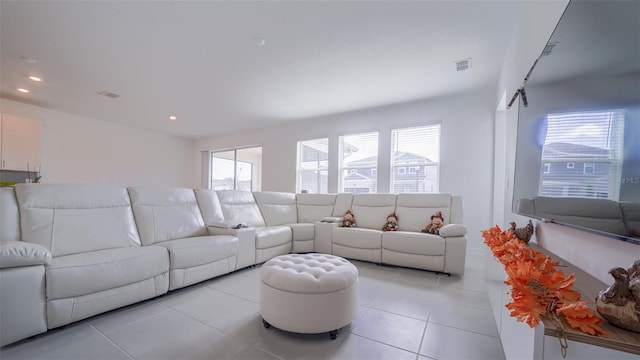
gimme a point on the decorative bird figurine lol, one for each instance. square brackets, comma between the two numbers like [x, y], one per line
[619, 303]
[523, 233]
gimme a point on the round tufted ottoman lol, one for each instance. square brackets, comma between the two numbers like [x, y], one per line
[308, 293]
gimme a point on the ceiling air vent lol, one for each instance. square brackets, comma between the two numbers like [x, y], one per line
[462, 65]
[109, 94]
[548, 48]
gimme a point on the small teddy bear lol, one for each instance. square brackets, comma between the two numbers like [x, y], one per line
[437, 221]
[392, 223]
[348, 219]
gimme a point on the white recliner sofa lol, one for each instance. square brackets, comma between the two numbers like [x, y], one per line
[407, 246]
[22, 268]
[240, 207]
[91, 234]
[68, 252]
[171, 218]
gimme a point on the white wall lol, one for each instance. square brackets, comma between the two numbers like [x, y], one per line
[529, 38]
[592, 253]
[466, 147]
[77, 149]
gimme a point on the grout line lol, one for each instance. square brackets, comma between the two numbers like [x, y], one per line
[424, 332]
[466, 330]
[112, 341]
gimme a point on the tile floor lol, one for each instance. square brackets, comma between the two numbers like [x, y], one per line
[402, 314]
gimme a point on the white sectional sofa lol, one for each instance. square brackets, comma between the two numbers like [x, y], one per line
[69, 252]
[622, 218]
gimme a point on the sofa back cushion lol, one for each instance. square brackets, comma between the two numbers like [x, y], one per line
[241, 207]
[343, 203]
[314, 207]
[69, 219]
[414, 211]
[599, 214]
[277, 208]
[9, 215]
[164, 214]
[371, 210]
[631, 217]
[209, 206]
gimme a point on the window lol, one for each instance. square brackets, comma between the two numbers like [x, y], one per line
[590, 143]
[589, 168]
[546, 167]
[237, 169]
[312, 166]
[359, 163]
[418, 149]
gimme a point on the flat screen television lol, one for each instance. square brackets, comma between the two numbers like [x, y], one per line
[578, 139]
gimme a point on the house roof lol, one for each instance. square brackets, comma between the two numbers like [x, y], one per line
[400, 157]
[228, 66]
[569, 150]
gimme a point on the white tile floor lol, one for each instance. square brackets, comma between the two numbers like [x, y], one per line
[403, 314]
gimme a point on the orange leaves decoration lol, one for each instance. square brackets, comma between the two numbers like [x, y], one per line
[537, 287]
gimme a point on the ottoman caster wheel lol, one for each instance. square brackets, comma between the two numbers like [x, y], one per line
[266, 324]
[333, 334]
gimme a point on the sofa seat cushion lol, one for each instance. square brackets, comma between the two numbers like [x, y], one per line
[413, 243]
[91, 272]
[194, 251]
[271, 236]
[357, 237]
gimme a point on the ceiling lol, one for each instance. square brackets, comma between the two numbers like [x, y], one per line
[223, 66]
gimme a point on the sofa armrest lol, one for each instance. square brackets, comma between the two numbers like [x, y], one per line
[20, 253]
[453, 230]
[246, 243]
[331, 219]
[228, 225]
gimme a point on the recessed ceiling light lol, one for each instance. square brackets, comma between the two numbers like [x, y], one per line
[28, 59]
[173, 117]
[23, 90]
[35, 78]
[260, 41]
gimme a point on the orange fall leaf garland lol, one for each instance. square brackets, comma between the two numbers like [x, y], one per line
[537, 287]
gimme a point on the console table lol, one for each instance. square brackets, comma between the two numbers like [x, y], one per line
[522, 342]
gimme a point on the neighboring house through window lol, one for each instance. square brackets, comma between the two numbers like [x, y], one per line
[415, 159]
[582, 152]
[359, 163]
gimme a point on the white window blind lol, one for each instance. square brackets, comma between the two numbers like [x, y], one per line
[313, 161]
[359, 163]
[416, 148]
[582, 154]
